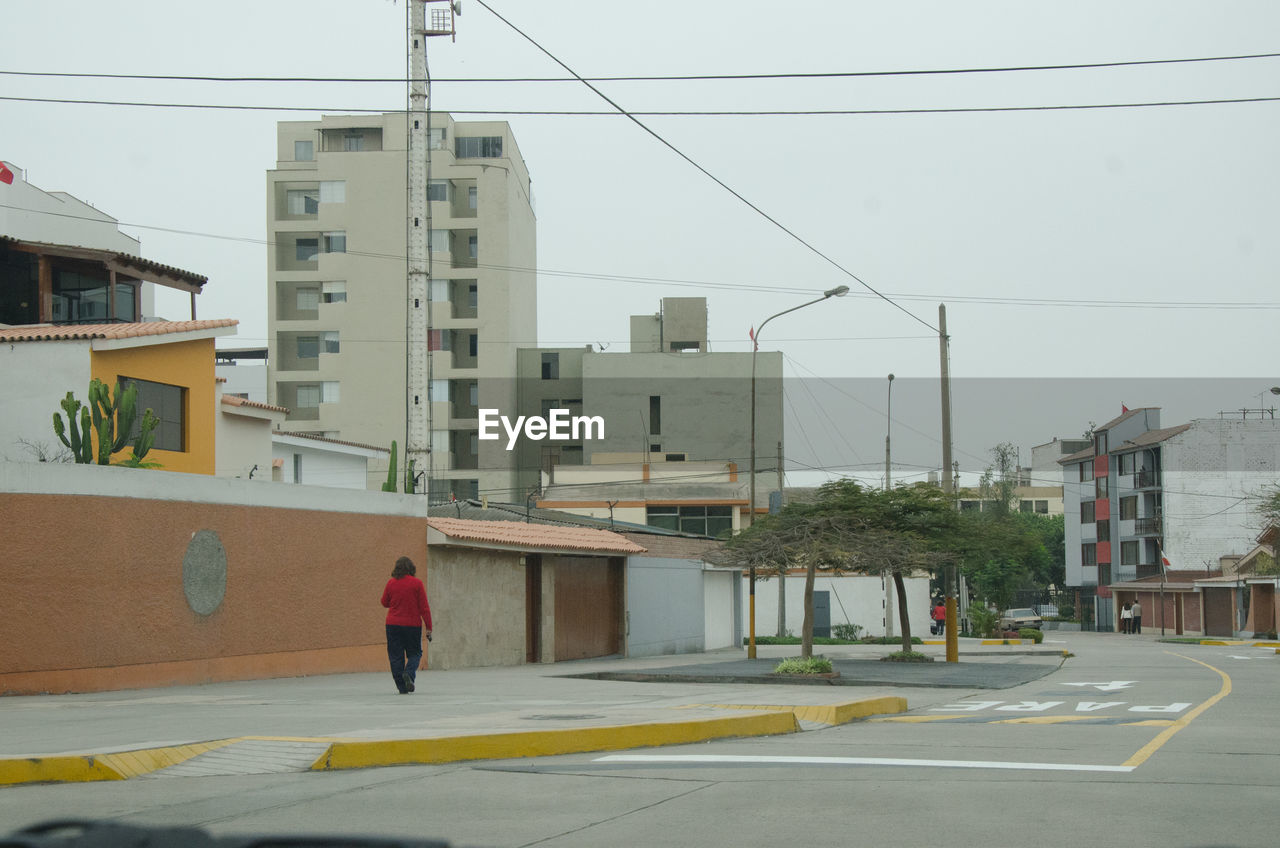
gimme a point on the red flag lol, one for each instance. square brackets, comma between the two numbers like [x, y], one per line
[1123, 409]
[6, 176]
[755, 345]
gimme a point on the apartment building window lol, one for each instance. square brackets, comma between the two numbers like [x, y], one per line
[1086, 512]
[706, 520]
[303, 201]
[1086, 471]
[655, 414]
[329, 391]
[439, 340]
[1042, 507]
[335, 242]
[475, 394]
[1128, 508]
[329, 341]
[1100, 487]
[304, 151]
[438, 190]
[1128, 553]
[1100, 444]
[1127, 463]
[307, 249]
[308, 347]
[1089, 554]
[473, 296]
[438, 390]
[551, 366]
[440, 240]
[473, 344]
[353, 142]
[478, 147]
[334, 292]
[308, 396]
[1104, 530]
[333, 191]
[473, 197]
[168, 403]
[308, 298]
[473, 247]
[1026, 506]
[435, 138]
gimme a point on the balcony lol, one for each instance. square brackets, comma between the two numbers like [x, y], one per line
[1147, 526]
[1146, 479]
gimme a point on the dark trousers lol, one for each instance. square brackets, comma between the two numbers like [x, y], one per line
[1137, 624]
[404, 650]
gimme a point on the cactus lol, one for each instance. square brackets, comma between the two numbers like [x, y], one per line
[110, 416]
[390, 485]
[80, 442]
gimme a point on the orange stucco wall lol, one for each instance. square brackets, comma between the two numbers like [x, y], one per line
[187, 364]
[94, 597]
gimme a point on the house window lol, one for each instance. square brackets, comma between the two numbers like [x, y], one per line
[308, 347]
[473, 197]
[438, 190]
[704, 520]
[303, 201]
[335, 242]
[1089, 554]
[304, 151]
[655, 414]
[334, 292]
[307, 249]
[1127, 463]
[126, 302]
[1025, 506]
[1128, 553]
[297, 468]
[1128, 508]
[333, 191]
[479, 147]
[329, 341]
[1086, 512]
[168, 403]
[1042, 507]
[551, 366]
[308, 299]
[78, 297]
[1104, 530]
[1086, 471]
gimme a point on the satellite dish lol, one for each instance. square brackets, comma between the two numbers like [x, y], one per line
[457, 7]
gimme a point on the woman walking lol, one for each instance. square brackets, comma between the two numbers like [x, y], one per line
[406, 601]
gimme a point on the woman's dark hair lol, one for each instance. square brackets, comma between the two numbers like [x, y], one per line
[404, 566]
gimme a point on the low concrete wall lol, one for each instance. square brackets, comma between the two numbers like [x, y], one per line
[119, 578]
[478, 596]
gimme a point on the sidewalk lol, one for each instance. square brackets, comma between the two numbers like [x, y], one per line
[359, 720]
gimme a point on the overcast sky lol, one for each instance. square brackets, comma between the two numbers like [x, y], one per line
[1070, 243]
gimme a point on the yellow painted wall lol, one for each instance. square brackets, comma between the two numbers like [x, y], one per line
[187, 364]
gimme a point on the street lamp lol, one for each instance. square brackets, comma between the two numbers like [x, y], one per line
[838, 291]
[888, 423]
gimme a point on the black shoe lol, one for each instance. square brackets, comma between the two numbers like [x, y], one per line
[408, 685]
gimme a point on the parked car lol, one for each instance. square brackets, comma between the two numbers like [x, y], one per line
[1016, 619]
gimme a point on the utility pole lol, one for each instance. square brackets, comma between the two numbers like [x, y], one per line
[953, 636]
[418, 421]
[782, 578]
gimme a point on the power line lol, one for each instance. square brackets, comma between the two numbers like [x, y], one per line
[988, 300]
[663, 77]
[671, 113]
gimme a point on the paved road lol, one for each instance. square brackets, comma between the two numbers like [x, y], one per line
[1130, 740]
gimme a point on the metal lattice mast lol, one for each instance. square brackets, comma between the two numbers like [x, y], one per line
[418, 365]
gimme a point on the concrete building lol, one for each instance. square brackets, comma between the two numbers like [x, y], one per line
[668, 400]
[1141, 491]
[337, 306]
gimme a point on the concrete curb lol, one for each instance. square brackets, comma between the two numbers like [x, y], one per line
[352, 753]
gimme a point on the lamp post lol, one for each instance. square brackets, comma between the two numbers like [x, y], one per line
[888, 424]
[838, 291]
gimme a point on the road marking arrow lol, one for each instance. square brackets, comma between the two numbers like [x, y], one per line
[1109, 686]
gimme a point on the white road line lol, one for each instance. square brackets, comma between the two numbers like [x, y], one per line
[852, 761]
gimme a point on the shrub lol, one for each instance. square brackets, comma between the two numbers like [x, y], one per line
[986, 622]
[907, 656]
[849, 632]
[804, 665]
[1066, 612]
[1031, 633]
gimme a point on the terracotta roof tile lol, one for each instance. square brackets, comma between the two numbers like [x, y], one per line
[88, 332]
[535, 535]
[315, 438]
[1152, 437]
[234, 400]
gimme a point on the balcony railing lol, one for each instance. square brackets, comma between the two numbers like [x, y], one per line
[1146, 479]
[1147, 526]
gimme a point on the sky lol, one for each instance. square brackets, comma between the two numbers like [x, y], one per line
[1070, 246]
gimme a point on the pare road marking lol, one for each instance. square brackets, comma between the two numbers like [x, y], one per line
[1109, 686]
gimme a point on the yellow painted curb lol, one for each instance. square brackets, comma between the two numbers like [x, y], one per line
[544, 743]
[832, 714]
[1221, 642]
[1266, 644]
[1006, 641]
[121, 765]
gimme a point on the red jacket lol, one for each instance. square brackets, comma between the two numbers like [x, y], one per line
[406, 601]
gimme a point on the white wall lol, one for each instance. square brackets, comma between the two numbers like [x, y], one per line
[321, 467]
[36, 377]
[854, 600]
[665, 606]
[718, 603]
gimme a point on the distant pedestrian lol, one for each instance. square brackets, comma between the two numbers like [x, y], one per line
[1137, 617]
[406, 601]
[1126, 618]
[939, 617]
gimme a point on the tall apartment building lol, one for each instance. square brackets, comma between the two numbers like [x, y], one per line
[337, 305]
